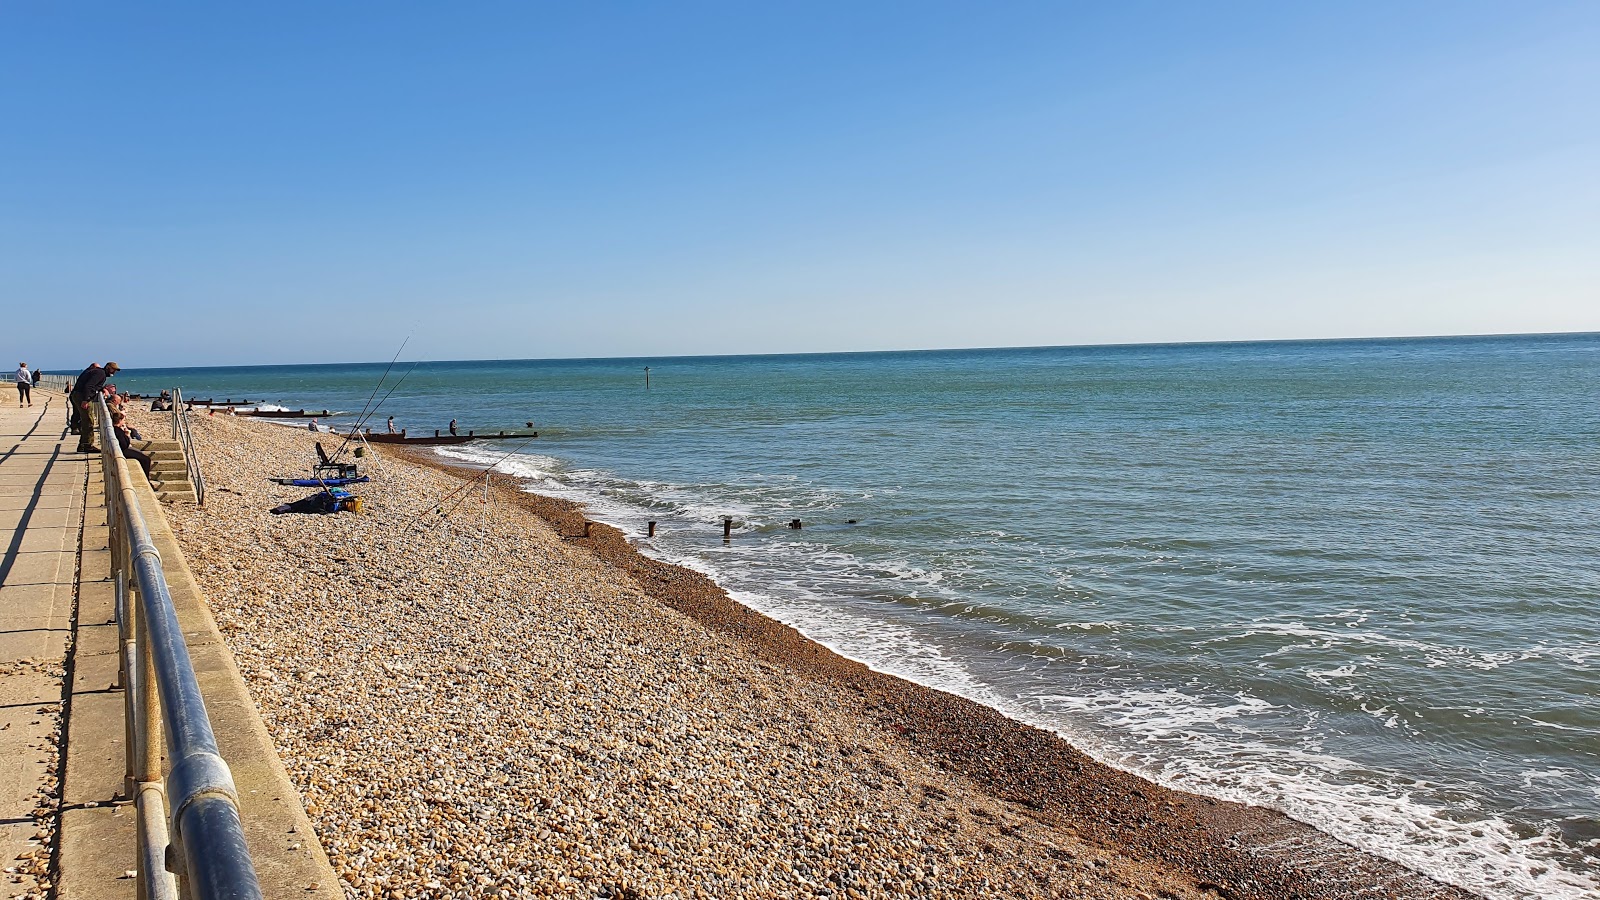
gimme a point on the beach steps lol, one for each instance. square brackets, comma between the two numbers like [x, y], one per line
[169, 472]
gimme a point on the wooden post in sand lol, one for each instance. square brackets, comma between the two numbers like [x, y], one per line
[647, 378]
[727, 528]
[652, 532]
[586, 526]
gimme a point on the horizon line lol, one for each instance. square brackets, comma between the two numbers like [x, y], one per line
[1085, 346]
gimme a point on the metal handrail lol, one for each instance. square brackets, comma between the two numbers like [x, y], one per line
[161, 695]
[185, 439]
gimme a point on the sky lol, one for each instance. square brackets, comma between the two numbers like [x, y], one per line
[252, 183]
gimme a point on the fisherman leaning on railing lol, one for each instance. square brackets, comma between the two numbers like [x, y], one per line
[90, 385]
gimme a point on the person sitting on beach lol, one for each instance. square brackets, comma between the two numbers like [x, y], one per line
[452, 426]
[312, 425]
[162, 403]
[125, 438]
[391, 424]
[24, 385]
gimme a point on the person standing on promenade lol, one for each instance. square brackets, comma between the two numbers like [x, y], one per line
[37, 374]
[24, 385]
[84, 391]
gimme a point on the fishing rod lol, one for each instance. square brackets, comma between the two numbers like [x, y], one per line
[361, 415]
[362, 421]
[466, 489]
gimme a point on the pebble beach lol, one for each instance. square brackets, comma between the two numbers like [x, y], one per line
[475, 699]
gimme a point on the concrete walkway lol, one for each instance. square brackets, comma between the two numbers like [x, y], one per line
[65, 831]
[42, 489]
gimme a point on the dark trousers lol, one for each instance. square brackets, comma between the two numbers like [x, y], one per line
[141, 457]
[23, 393]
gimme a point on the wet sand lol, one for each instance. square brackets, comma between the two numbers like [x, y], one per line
[490, 704]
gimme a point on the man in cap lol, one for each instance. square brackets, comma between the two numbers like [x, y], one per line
[84, 393]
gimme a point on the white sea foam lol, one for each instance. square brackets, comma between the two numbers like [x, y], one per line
[1222, 752]
[1369, 810]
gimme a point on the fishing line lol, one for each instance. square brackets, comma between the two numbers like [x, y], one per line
[385, 377]
[466, 488]
[362, 421]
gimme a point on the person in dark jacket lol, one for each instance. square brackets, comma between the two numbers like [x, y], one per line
[84, 392]
[125, 439]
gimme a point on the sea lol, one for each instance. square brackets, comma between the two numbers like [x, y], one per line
[1356, 581]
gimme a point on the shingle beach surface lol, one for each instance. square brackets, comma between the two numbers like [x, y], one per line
[477, 705]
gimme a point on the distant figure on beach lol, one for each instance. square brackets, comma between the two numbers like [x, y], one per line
[391, 424]
[313, 425]
[162, 403]
[24, 385]
[452, 426]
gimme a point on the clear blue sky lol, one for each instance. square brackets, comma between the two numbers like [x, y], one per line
[240, 183]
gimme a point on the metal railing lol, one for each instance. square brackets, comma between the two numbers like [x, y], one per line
[201, 840]
[185, 439]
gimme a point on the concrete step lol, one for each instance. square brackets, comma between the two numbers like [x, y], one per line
[165, 454]
[150, 445]
[168, 465]
[175, 496]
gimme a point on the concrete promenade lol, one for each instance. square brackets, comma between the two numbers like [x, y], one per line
[42, 489]
[66, 832]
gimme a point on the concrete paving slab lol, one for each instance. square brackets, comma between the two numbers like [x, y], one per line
[95, 754]
[97, 603]
[94, 564]
[100, 842]
[36, 599]
[14, 502]
[34, 569]
[52, 517]
[42, 537]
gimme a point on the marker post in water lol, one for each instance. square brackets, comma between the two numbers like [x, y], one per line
[727, 529]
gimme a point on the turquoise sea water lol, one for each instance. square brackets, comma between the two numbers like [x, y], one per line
[1357, 581]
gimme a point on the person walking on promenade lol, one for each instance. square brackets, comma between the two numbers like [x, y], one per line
[24, 385]
[37, 374]
[84, 392]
